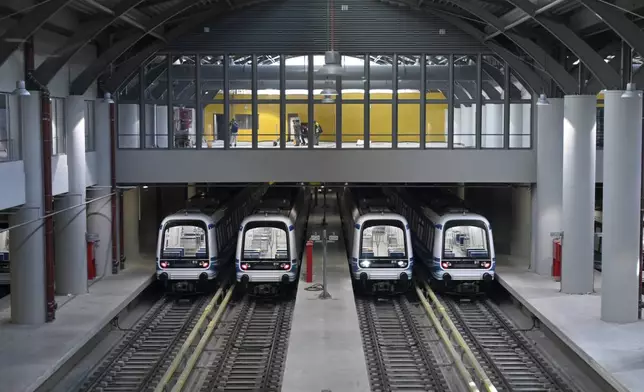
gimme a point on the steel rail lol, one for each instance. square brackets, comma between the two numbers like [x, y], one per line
[467, 352]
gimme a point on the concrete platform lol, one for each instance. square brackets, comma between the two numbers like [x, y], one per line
[614, 351]
[29, 355]
[325, 348]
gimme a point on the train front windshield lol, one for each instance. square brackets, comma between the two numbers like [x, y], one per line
[383, 245]
[184, 244]
[265, 242]
[466, 242]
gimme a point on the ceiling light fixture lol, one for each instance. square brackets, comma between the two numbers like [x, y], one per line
[20, 89]
[543, 100]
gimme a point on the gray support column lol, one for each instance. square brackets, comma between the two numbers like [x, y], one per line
[254, 105]
[450, 104]
[394, 102]
[479, 124]
[621, 199]
[550, 122]
[71, 225]
[99, 213]
[143, 133]
[170, 106]
[506, 106]
[423, 101]
[226, 102]
[199, 110]
[367, 100]
[338, 113]
[310, 106]
[282, 74]
[578, 193]
[27, 243]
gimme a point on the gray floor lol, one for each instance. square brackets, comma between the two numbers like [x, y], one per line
[325, 348]
[29, 355]
[615, 351]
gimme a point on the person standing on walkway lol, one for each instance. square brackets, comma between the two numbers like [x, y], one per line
[234, 129]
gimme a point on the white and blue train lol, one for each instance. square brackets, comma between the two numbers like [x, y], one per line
[379, 244]
[197, 243]
[455, 244]
[271, 241]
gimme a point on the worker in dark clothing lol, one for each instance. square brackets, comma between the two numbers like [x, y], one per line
[234, 129]
[297, 129]
[317, 132]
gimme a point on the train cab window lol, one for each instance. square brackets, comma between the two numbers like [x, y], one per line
[382, 243]
[185, 240]
[465, 239]
[264, 243]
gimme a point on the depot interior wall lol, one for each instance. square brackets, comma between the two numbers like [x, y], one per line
[131, 218]
[352, 117]
[156, 204]
[509, 211]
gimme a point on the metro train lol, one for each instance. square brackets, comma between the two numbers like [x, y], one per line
[379, 244]
[455, 244]
[271, 241]
[196, 243]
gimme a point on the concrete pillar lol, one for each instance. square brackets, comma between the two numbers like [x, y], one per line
[458, 139]
[192, 190]
[131, 214]
[516, 125]
[71, 224]
[520, 241]
[27, 243]
[493, 126]
[99, 213]
[621, 218]
[129, 125]
[577, 276]
[483, 124]
[550, 133]
[162, 126]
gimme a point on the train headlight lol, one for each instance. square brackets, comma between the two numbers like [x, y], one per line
[365, 263]
[402, 263]
[446, 264]
[164, 264]
[244, 266]
[285, 266]
[485, 264]
[204, 264]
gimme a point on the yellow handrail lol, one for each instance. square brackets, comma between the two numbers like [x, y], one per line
[480, 373]
[182, 351]
[178, 386]
[448, 344]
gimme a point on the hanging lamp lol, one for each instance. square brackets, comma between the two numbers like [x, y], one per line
[332, 59]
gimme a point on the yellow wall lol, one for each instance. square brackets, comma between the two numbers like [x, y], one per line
[352, 118]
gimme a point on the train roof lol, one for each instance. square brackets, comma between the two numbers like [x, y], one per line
[440, 201]
[370, 201]
[381, 216]
[267, 217]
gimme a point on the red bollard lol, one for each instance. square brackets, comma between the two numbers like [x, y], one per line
[556, 260]
[309, 261]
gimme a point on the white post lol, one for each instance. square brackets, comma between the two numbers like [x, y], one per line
[71, 225]
[494, 125]
[577, 270]
[549, 181]
[621, 199]
[516, 125]
[27, 243]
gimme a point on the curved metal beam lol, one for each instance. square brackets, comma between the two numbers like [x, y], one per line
[27, 26]
[84, 35]
[91, 73]
[617, 21]
[556, 71]
[532, 80]
[587, 55]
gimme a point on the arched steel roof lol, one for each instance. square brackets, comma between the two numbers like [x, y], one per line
[542, 40]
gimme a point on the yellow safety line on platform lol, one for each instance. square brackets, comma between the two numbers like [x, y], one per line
[186, 345]
[480, 373]
[460, 366]
[178, 386]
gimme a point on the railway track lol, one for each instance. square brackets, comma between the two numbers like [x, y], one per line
[398, 353]
[511, 362]
[143, 354]
[253, 354]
